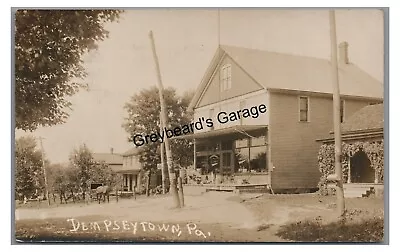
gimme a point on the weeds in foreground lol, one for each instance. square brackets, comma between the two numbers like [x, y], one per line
[366, 230]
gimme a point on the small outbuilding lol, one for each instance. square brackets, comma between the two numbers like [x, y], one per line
[362, 150]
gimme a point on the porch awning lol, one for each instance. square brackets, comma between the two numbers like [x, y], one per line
[237, 130]
[133, 172]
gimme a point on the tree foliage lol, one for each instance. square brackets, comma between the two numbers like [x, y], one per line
[326, 160]
[183, 149]
[102, 173]
[144, 118]
[28, 167]
[85, 170]
[49, 45]
[81, 159]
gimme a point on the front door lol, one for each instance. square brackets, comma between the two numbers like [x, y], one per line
[361, 170]
[227, 163]
[130, 182]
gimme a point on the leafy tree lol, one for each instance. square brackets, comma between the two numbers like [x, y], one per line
[144, 118]
[59, 179]
[53, 171]
[28, 167]
[85, 170]
[101, 172]
[82, 160]
[183, 149]
[49, 45]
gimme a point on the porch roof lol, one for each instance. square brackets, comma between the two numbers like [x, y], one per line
[128, 171]
[236, 130]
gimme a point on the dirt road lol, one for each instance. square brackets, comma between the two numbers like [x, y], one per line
[208, 208]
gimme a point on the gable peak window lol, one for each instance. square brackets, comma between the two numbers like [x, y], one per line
[304, 109]
[226, 77]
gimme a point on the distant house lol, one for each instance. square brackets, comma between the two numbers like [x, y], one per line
[363, 150]
[114, 160]
[131, 171]
[277, 147]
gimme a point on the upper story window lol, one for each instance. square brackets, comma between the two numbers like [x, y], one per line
[226, 77]
[341, 111]
[304, 109]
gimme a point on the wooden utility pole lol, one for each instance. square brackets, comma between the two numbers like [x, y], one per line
[172, 176]
[336, 116]
[163, 175]
[44, 171]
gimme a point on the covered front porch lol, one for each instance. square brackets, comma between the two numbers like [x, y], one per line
[362, 164]
[129, 181]
[229, 157]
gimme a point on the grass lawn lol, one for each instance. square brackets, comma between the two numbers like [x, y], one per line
[367, 230]
[313, 218]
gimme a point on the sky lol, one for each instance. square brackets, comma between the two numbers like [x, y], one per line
[186, 40]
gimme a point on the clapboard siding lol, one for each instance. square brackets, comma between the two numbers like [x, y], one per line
[294, 151]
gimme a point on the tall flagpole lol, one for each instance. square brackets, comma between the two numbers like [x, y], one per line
[336, 116]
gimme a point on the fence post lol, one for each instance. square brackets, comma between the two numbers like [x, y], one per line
[180, 191]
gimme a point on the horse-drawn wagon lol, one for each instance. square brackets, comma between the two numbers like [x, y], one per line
[99, 191]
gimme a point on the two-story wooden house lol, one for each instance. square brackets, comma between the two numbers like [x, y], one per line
[278, 147]
[130, 171]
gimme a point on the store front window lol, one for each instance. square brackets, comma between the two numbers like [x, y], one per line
[251, 155]
[245, 155]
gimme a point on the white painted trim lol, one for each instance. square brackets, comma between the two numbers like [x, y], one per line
[209, 80]
[308, 108]
[222, 87]
[236, 98]
[270, 165]
[244, 70]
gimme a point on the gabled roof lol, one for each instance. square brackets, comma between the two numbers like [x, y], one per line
[368, 118]
[367, 122]
[281, 71]
[131, 152]
[108, 158]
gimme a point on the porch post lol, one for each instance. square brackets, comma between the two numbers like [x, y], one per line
[349, 172]
[122, 182]
[194, 154]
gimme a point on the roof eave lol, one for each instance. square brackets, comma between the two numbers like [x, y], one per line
[204, 81]
[283, 90]
[359, 131]
[352, 135]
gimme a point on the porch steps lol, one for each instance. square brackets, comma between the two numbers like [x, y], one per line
[358, 190]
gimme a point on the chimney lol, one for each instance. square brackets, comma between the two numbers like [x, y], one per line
[112, 150]
[344, 53]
